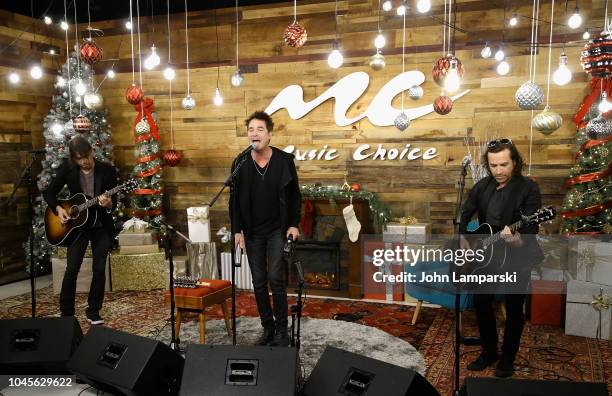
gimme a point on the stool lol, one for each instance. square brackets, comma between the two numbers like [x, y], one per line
[196, 300]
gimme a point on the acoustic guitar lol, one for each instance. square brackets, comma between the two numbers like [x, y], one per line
[82, 215]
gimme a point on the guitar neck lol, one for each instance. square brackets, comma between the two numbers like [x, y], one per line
[91, 202]
[497, 236]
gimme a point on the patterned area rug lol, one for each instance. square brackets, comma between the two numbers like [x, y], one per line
[545, 353]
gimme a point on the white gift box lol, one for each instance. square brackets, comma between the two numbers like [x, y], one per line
[591, 260]
[243, 276]
[407, 233]
[198, 224]
[588, 310]
[58, 266]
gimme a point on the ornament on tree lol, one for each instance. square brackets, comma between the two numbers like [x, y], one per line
[93, 101]
[529, 96]
[355, 187]
[295, 35]
[91, 53]
[596, 59]
[402, 121]
[415, 92]
[81, 124]
[377, 61]
[547, 121]
[442, 66]
[134, 95]
[188, 102]
[443, 105]
[353, 226]
[142, 127]
[598, 128]
[172, 157]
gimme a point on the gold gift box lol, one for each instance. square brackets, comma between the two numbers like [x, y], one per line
[138, 271]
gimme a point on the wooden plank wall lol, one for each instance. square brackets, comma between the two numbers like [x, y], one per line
[211, 136]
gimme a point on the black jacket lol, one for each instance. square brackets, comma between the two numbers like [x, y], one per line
[105, 178]
[289, 195]
[525, 200]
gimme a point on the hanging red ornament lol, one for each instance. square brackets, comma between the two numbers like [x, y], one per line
[91, 53]
[81, 124]
[442, 66]
[596, 58]
[443, 105]
[134, 95]
[295, 35]
[355, 187]
[172, 157]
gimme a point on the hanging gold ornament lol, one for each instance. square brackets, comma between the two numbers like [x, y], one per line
[547, 121]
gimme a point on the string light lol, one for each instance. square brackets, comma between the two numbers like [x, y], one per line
[575, 20]
[152, 60]
[169, 73]
[605, 105]
[513, 21]
[36, 72]
[110, 74]
[401, 10]
[48, 20]
[387, 6]
[500, 55]
[503, 68]
[586, 35]
[380, 41]
[452, 81]
[14, 78]
[423, 6]
[218, 99]
[64, 25]
[335, 58]
[563, 74]
[128, 25]
[485, 52]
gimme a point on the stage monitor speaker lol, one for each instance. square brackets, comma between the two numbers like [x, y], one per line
[38, 345]
[340, 372]
[127, 364]
[224, 370]
[513, 387]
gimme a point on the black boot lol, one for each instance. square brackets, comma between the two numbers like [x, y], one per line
[281, 338]
[483, 361]
[266, 337]
[505, 368]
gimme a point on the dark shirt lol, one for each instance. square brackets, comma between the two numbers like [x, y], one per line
[87, 182]
[265, 201]
[496, 207]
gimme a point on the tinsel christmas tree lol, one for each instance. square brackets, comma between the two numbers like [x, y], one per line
[58, 128]
[587, 207]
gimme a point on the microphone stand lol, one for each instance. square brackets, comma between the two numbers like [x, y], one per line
[229, 182]
[170, 231]
[296, 310]
[26, 178]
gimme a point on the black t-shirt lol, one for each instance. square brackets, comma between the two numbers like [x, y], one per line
[265, 201]
[496, 207]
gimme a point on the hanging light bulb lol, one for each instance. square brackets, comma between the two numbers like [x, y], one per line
[485, 52]
[380, 41]
[14, 78]
[36, 72]
[218, 99]
[110, 73]
[586, 35]
[500, 55]
[503, 68]
[335, 58]
[401, 10]
[575, 20]
[237, 78]
[80, 88]
[152, 60]
[562, 75]
[169, 73]
[48, 20]
[452, 81]
[513, 21]
[64, 25]
[128, 25]
[387, 6]
[605, 105]
[57, 128]
[423, 6]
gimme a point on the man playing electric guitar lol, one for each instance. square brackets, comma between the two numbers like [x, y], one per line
[500, 199]
[83, 174]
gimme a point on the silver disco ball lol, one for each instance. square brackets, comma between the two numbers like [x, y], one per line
[188, 102]
[529, 96]
[402, 121]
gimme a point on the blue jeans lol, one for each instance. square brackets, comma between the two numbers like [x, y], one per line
[265, 253]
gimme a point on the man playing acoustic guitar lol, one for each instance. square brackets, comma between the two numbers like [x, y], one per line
[83, 174]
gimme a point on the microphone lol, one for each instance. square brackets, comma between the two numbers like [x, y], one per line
[247, 150]
[466, 161]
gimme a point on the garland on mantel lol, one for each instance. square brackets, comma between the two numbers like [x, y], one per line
[380, 210]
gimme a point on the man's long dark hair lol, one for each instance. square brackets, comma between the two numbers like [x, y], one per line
[514, 156]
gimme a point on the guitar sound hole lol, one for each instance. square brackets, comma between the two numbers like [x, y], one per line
[74, 212]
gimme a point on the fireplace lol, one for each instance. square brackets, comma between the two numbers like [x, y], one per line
[320, 264]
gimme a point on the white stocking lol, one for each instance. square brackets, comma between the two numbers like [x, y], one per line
[352, 224]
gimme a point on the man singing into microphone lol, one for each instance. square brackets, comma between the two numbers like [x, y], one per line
[265, 205]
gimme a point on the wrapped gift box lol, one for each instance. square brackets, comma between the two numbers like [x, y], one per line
[548, 274]
[409, 233]
[198, 224]
[591, 260]
[139, 249]
[588, 311]
[242, 275]
[137, 238]
[138, 271]
[83, 279]
[547, 302]
[555, 249]
[202, 260]
[62, 252]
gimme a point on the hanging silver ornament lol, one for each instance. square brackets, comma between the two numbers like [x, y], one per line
[237, 78]
[402, 121]
[415, 92]
[529, 96]
[547, 121]
[188, 102]
[377, 61]
[598, 128]
[92, 101]
[142, 127]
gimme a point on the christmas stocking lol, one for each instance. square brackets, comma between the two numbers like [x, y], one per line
[352, 224]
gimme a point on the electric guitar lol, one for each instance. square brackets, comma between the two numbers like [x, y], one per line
[487, 238]
[81, 213]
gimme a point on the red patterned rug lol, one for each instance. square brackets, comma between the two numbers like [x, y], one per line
[545, 353]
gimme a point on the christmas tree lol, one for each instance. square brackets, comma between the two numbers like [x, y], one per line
[76, 109]
[587, 207]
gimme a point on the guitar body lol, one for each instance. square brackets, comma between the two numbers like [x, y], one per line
[494, 254]
[59, 234]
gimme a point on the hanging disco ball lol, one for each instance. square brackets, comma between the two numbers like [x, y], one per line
[529, 96]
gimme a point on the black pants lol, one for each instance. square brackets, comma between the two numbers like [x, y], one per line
[265, 253]
[515, 320]
[100, 246]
